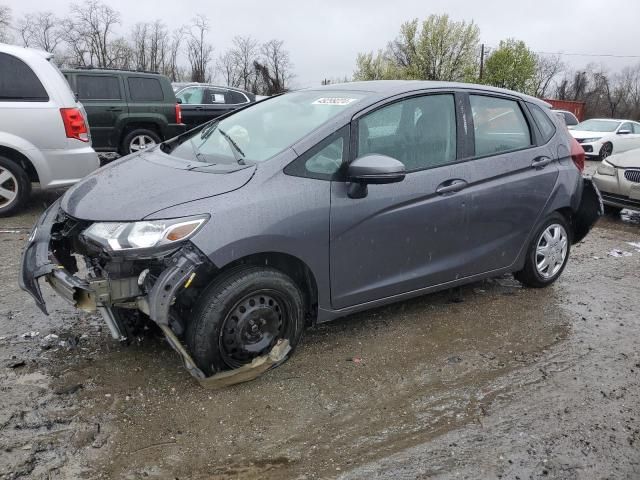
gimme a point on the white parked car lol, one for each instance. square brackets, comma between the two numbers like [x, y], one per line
[43, 129]
[618, 179]
[602, 137]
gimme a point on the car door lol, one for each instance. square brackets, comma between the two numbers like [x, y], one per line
[511, 178]
[217, 102]
[103, 100]
[403, 236]
[192, 106]
[625, 141]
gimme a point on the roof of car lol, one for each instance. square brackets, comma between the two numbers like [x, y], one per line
[24, 52]
[395, 87]
[612, 119]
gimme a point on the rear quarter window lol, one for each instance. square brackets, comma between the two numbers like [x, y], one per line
[143, 89]
[546, 126]
[18, 83]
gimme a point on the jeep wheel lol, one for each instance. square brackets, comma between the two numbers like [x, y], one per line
[15, 187]
[139, 140]
[242, 316]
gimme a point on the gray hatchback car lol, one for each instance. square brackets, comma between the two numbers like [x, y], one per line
[313, 205]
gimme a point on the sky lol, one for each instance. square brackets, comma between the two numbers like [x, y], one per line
[324, 38]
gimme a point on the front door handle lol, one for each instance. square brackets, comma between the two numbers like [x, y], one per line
[541, 162]
[451, 186]
[114, 109]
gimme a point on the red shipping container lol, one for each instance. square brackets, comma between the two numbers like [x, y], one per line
[577, 108]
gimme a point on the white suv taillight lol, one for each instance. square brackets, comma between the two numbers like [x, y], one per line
[74, 124]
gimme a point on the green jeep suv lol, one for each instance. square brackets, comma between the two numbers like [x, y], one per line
[127, 110]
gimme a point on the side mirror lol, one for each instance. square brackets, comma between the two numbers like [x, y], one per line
[624, 132]
[178, 100]
[373, 169]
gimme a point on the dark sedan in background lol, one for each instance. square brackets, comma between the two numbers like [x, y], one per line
[202, 102]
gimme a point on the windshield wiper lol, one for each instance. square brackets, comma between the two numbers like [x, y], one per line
[238, 154]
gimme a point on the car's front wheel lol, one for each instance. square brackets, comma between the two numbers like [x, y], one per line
[242, 316]
[606, 150]
[547, 253]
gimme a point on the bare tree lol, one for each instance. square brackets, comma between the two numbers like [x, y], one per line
[172, 68]
[40, 30]
[5, 23]
[245, 53]
[92, 25]
[547, 70]
[275, 67]
[228, 67]
[199, 50]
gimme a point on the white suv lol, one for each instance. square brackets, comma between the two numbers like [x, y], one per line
[43, 130]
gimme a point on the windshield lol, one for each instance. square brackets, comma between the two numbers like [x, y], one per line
[261, 131]
[597, 126]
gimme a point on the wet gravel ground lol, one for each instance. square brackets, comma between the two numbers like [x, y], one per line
[493, 381]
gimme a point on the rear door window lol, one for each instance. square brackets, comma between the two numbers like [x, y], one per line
[216, 96]
[234, 98]
[142, 89]
[18, 83]
[98, 87]
[499, 125]
[546, 126]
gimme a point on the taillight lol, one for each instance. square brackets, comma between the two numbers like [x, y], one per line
[577, 154]
[178, 113]
[74, 124]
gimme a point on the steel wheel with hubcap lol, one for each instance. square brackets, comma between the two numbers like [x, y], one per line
[242, 315]
[547, 253]
[551, 251]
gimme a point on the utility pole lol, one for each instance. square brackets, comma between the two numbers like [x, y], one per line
[481, 61]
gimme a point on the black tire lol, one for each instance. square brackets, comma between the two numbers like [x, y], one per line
[605, 151]
[530, 274]
[612, 211]
[221, 336]
[125, 146]
[13, 179]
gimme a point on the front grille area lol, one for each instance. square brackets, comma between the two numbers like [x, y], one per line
[632, 175]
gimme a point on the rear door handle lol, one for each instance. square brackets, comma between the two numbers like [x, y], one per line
[451, 186]
[541, 162]
[114, 109]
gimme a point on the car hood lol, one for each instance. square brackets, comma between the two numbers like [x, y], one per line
[137, 186]
[583, 134]
[630, 159]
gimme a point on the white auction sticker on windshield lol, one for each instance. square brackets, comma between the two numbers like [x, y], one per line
[334, 101]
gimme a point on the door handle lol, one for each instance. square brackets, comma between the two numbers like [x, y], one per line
[541, 162]
[114, 109]
[451, 186]
[199, 108]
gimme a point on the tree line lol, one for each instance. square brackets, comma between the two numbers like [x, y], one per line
[440, 48]
[90, 36]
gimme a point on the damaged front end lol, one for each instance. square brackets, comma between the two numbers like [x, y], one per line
[92, 275]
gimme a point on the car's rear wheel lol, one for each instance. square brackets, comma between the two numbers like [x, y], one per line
[241, 316]
[547, 254]
[606, 150]
[139, 140]
[15, 187]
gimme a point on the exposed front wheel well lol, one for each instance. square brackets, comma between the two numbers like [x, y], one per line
[292, 266]
[21, 160]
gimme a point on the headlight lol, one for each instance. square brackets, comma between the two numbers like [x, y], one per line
[606, 168]
[590, 140]
[118, 236]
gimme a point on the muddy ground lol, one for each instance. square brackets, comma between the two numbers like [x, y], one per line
[495, 381]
